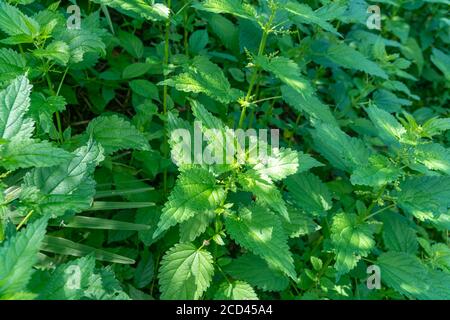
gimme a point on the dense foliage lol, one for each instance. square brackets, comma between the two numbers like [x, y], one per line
[97, 202]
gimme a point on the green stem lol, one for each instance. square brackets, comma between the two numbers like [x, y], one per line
[380, 211]
[24, 220]
[165, 94]
[58, 118]
[255, 75]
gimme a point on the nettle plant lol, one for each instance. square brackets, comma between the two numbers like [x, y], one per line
[106, 192]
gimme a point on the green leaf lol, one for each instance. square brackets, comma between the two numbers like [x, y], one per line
[310, 194]
[442, 61]
[185, 272]
[68, 281]
[104, 286]
[404, 273]
[139, 8]
[351, 240]
[236, 290]
[389, 129]
[69, 186]
[302, 13]
[347, 57]
[14, 23]
[308, 103]
[425, 197]
[203, 76]
[344, 152]
[195, 226]
[135, 70]
[30, 153]
[233, 7]
[58, 51]
[398, 234]
[260, 231]
[115, 133]
[144, 270]
[18, 254]
[434, 157]
[195, 191]
[12, 64]
[256, 272]
[377, 172]
[264, 189]
[299, 223]
[279, 165]
[14, 103]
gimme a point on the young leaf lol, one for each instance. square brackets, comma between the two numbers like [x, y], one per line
[185, 272]
[425, 197]
[196, 191]
[351, 240]
[114, 134]
[236, 290]
[256, 272]
[260, 231]
[205, 77]
[17, 257]
[310, 194]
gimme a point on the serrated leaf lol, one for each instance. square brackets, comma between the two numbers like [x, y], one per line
[256, 272]
[351, 240]
[425, 197]
[14, 23]
[349, 58]
[31, 153]
[377, 172]
[139, 8]
[260, 231]
[115, 133]
[389, 129]
[404, 273]
[69, 186]
[442, 61]
[308, 103]
[14, 103]
[302, 13]
[279, 165]
[299, 223]
[264, 189]
[12, 64]
[433, 156]
[196, 191]
[203, 76]
[398, 234]
[234, 7]
[68, 281]
[341, 150]
[310, 194]
[185, 272]
[236, 290]
[18, 255]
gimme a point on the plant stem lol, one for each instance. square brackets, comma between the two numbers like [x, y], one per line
[24, 220]
[58, 118]
[380, 211]
[255, 75]
[165, 94]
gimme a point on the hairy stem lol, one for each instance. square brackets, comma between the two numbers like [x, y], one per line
[255, 75]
